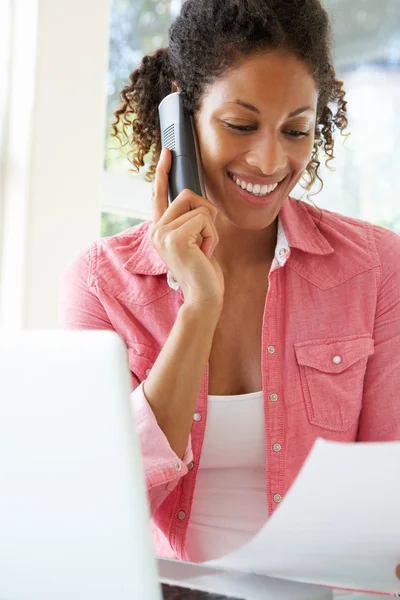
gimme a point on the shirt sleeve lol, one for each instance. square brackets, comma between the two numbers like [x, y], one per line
[163, 467]
[80, 308]
[380, 415]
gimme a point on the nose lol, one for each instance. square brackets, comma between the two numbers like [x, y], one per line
[268, 155]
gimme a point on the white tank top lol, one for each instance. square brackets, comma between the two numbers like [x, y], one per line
[229, 502]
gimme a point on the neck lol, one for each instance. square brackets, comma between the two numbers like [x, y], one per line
[240, 249]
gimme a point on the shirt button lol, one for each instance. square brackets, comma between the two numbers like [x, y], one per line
[148, 372]
[277, 447]
[190, 466]
[172, 282]
[277, 498]
[283, 251]
[170, 486]
[181, 515]
[271, 349]
[197, 417]
[178, 467]
[273, 397]
[337, 360]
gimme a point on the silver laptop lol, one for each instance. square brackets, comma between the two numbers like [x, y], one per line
[74, 520]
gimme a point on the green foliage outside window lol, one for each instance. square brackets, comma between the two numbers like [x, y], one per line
[138, 27]
[112, 224]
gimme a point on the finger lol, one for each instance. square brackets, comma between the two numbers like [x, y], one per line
[160, 188]
[183, 219]
[186, 202]
[197, 225]
[188, 215]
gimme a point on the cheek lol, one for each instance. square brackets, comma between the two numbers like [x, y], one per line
[216, 146]
[300, 156]
[214, 151]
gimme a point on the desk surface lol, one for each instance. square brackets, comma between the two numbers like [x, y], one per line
[178, 593]
[178, 576]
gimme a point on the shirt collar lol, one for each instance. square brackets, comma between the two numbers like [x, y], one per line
[296, 229]
[301, 228]
[144, 259]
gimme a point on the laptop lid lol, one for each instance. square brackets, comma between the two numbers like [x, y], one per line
[74, 520]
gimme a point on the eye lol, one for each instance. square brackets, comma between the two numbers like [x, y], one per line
[297, 134]
[244, 128]
[247, 128]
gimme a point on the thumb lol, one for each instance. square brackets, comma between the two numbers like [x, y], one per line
[160, 187]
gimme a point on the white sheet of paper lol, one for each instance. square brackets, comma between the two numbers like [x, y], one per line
[339, 524]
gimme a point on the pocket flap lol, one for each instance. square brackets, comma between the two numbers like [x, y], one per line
[334, 355]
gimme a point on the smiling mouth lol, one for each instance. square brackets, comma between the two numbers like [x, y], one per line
[258, 199]
[256, 190]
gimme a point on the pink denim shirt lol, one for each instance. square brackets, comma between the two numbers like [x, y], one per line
[330, 347]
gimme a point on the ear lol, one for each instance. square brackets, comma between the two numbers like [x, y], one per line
[174, 87]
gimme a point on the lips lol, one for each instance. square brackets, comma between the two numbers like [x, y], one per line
[257, 200]
[254, 180]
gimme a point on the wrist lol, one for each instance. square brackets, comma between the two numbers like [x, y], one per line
[208, 311]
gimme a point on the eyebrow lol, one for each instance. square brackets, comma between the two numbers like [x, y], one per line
[255, 109]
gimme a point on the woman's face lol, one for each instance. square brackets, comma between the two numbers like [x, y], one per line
[256, 124]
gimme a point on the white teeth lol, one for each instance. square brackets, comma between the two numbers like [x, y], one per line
[255, 189]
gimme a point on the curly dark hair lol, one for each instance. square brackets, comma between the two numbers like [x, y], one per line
[210, 36]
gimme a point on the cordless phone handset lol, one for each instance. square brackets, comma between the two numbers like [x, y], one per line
[178, 133]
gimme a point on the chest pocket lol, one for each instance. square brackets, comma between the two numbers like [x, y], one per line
[332, 377]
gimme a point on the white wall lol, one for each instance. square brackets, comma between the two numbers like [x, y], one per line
[54, 149]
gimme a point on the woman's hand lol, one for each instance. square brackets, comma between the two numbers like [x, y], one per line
[184, 236]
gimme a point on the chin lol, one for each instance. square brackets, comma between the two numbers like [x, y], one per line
[249, 222]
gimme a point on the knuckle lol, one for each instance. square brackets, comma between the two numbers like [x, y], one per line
[203, 210]
[214, 211]
[150, 231]
[199, 216]
[168, 240]
[155, 236]
[171, 241]
[186, 194]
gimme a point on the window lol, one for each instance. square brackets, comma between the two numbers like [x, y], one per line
[138, 27]
[112, 223]
[367, 49]
[367, 58]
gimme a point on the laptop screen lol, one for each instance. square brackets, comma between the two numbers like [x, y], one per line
[175, 592]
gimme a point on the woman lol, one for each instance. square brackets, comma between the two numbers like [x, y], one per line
[284, 325]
